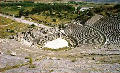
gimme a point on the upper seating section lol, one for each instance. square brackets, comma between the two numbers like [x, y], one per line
[110, 26]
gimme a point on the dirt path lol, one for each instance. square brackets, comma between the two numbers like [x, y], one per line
[24, 21]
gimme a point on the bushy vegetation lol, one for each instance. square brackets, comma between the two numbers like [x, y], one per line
[25, 4]
[36, 7]
[107, 10]
[103, 9]
[84, 16]
[52, 7]
[58, 13]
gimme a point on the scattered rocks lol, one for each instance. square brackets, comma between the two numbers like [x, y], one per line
[1, 52]
[54, 58]
[13, 54]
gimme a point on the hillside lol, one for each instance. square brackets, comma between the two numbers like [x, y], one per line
[97, 1]
[103, 1]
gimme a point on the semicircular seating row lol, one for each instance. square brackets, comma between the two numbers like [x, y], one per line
[84, 34]
[110, 26]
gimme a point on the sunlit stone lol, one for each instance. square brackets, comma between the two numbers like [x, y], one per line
[56, 44]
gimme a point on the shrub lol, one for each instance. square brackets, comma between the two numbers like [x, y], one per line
[21, 12]
[54, 20]
[32, 25]
[11, 31]
[32, 66]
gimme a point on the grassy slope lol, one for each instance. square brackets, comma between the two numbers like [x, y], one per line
[9, 10]
[9, 27]
[65, 18]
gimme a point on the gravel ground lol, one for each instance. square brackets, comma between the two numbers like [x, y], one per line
[51, 61]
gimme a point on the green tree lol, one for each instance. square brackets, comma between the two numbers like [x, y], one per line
[21, 12]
